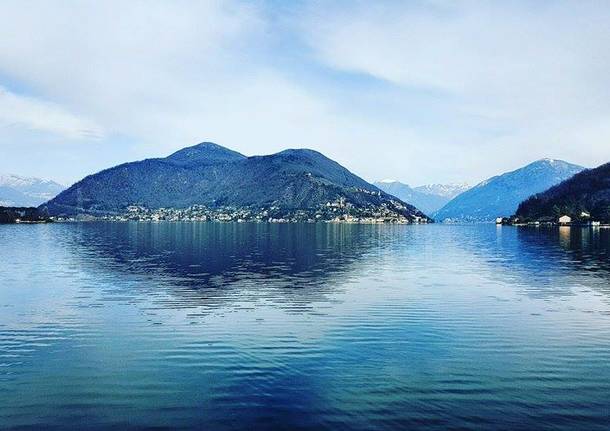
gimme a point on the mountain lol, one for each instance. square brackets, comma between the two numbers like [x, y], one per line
[211, 175]
[16, 191]
[428, 198]
[448, 191]
[501, 195]
[587, 191]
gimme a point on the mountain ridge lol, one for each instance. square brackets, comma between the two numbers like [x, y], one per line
[500, 195]
[586, 192]
[212, 175]
[428, 198]
[426, 202]
[21, 191]
[449, 190]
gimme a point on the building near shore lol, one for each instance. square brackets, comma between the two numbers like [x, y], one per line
[565, 220]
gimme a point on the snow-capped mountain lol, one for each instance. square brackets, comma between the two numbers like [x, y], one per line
[428, 198]
[448, 191]
[18, 191]
[500, 196]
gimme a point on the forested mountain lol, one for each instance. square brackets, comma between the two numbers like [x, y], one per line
[500, 196]
[587, 191]
[211, 175]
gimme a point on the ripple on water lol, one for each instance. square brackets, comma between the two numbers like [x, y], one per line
[303, 327]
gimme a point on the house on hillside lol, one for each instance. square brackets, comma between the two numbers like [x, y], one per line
[565, 220]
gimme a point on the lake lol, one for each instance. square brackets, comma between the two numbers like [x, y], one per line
[268, 326]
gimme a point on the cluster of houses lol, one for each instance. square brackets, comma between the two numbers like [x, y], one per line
[584, 219]
[338, 211]
[22, 215]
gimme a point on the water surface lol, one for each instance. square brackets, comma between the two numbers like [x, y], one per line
[257, 326]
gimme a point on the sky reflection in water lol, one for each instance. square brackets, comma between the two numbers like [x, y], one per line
[304, 326]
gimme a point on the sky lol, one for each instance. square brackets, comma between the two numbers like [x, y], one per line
[422, 91]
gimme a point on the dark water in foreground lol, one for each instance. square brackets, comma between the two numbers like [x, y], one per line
[238, 326]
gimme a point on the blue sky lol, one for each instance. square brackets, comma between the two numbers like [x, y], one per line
[421, 91]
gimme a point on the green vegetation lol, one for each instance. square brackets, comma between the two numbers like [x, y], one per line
[22, 215]
[586, 193]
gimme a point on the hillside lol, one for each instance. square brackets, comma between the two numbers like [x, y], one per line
[587, 191]
[211, 175]
[428, 198]
[448, 191]
[18, 191]
[501, 195]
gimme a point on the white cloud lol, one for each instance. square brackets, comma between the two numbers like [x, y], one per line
[535, 69]
[467, 88]
[34, 114]
[129, 65]
[494, 53]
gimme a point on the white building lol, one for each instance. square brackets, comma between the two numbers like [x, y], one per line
[565, 219]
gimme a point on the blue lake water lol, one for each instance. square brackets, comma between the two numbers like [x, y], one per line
[257, 326]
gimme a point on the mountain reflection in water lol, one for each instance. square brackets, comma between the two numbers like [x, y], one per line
[259, 326]
[204, 264]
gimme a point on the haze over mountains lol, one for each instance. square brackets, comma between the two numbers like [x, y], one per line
[428, 198]
[18, 191]
[586, 192]
[208, 174]
[501, 195]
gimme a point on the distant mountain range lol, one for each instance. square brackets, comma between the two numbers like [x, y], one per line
[587, 191]
[428, 198]
[17, 191]
[501, 195]
[211, 175]
[448, 191]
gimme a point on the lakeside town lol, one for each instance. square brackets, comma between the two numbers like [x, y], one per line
[339, 211]
[332, 212]
[583, 219]
[336, 212]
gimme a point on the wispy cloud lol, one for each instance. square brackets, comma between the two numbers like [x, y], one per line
[497, 53]
[17, 111]
[430, 91]
[129, 65]
[538, 69]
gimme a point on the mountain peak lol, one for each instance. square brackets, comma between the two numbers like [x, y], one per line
[448, 191]
[16, 190]
[21, 181]
[500, 195]
[587, 191]
[552, 162]
[209, 146]
[215, 177]
[545, 161]
[428, 198]
[204, 152]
